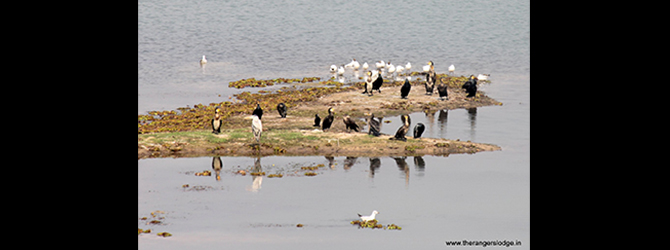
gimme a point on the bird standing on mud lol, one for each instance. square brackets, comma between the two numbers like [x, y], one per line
[216, 122]
[418, 130]
[471, 86]
[374, 125]
[258, 111]
[430, 79]
[400, 134]
[349, 123]
[329, 120]
[281, 108]
[404, 90]
[256, 128]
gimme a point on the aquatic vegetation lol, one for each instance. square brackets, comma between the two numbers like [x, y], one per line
[204, 173]
[164, 234]
[374, 224]
[252, 82]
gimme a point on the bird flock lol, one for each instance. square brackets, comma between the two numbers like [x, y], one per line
[374, 79]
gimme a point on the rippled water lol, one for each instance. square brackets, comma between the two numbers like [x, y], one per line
[483, 196]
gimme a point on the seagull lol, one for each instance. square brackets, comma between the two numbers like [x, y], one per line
[333, 68]
[380, 64]
[451, 69]
[340, 70]
[367, 218]
[203, 61]
[483, 76]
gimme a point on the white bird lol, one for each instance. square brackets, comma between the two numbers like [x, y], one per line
[367, 218]
[483, 77]
[451, 69]
[380, 64]
[340, 70]
[399, 69]
[365, 66]
[408, 66]
[333, 68]
[203, 61]
[426, 68]
[353, 64]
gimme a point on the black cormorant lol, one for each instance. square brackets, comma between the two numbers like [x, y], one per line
[404, 90]
[418, 130]
[349, 123]
[328, 121]
[374, 125]
[430, 79]
[281, 108]
[471, 86]
[377, 83]
[258, 111]
[216, 122]
[400, 134]
[442, 90]
[317, 120]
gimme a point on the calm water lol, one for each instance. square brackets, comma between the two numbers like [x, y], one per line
[484, 196]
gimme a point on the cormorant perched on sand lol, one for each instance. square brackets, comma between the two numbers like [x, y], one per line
[328, 121]
[317, 120]
[374, 125]
[281, 108]
[258, 111]
[377, 83]
[418, 130]
[256, 128]
[430, 79]
[404, 90]
[368, 84]
[471, 86]
[216, 122]
[442, 90]
[400, 134]
[349, 123]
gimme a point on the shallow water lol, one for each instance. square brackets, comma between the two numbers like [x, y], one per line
[482, 196]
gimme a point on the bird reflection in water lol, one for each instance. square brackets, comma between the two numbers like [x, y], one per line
[375, 163]
[403, 167]
[257, 180]
[217, 165]
[472, 116]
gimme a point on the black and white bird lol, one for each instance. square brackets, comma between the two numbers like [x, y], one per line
[400, 134]
[471, 86]
[418, 130]
[404, 90]
[216, 121]
[350, 123]
[377, 82]
[317, 120]
[430, 78]
[368, 218]
[281, 108]
[442, 90]
[374, 125]
[258, 111]
[329, 120]
[368, 84]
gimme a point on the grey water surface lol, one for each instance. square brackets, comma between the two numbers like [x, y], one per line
[483, 196]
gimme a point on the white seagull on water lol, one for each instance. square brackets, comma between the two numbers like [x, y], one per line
[367, 218]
